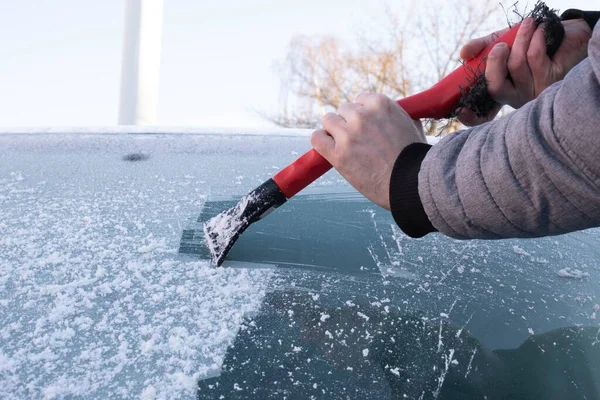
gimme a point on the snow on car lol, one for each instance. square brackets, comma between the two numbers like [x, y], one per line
[106, 288]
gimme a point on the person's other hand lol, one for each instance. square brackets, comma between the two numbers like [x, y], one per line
[363, 140]
[529, 66]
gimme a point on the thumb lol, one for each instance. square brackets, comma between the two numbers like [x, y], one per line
[474, 47]
[323, 143]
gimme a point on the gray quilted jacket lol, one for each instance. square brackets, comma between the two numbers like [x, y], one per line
[535, 172]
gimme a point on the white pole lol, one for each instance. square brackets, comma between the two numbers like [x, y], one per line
[141, 62]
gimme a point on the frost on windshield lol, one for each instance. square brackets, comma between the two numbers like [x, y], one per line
[324, 297]
[95, 302]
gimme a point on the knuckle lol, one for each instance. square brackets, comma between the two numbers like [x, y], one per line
[380, 100]
[558, 74]
[314, 141]
[516, 64]
[314, 137]
[363, 116]
[498, 52]
[494, 83]
[528, 25]
[362, 112]
[535, 54]
[329, 117]
[493, 86]
[328, 120]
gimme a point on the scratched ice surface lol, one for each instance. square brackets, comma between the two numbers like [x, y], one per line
[105, 289]
[94, 298]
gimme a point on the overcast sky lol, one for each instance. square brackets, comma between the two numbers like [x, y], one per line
[60, 60]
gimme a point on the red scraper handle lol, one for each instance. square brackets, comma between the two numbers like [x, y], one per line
[436, 103]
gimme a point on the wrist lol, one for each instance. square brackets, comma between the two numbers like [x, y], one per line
[405, 203]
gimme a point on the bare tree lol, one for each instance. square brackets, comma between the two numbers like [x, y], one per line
[418, 49]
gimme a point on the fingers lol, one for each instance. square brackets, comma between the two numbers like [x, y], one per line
[517, 62]
[469, 118]
[496, 74]
[323, 143]
[498, 86]
[539, 62]
[573, 48]
[341, 127]
[333, 123]
[474, 47]
[518, 75]
[466, 117]
[372, 100]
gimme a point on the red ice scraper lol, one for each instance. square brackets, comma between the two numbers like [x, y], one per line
[440, 101]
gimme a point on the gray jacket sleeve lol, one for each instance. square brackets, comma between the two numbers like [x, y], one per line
[535, 172]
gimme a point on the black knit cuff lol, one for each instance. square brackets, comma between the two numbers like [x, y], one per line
[405, 203]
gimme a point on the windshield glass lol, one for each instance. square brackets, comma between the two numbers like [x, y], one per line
[106, 289]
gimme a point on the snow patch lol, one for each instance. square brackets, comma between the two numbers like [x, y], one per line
[572, 273]
[95, 288]
[520, 251]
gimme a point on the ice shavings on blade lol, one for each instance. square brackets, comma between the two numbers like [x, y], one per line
[221, 230]
[96, 303]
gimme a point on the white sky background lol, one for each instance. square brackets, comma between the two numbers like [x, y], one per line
[60, 60]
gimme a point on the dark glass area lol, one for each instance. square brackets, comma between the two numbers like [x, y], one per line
[359, 310]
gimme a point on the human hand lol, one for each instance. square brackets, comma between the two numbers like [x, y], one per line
[363, 140]
[529, 66]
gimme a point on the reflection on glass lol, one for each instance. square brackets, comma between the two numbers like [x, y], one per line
[297, 348]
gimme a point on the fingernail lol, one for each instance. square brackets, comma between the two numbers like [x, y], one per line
[527, 22]
[500, 47]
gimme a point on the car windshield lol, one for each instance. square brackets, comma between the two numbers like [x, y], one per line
[106, 288]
